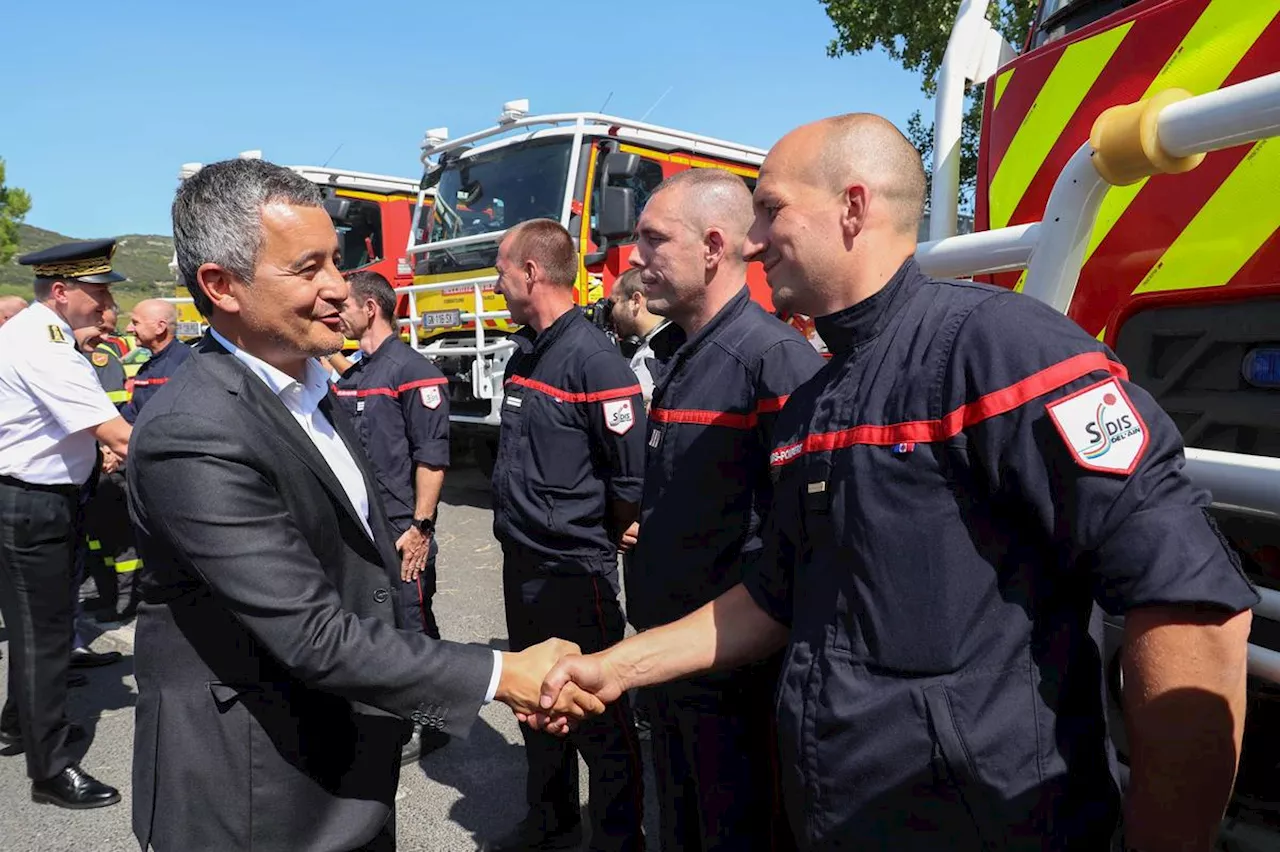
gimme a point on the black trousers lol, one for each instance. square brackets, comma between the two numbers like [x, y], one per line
[715, 763]
[416, 595]
[37, 559]
[583, 609]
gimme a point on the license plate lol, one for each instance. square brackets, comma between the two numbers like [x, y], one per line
[441, 319]
[188, 329]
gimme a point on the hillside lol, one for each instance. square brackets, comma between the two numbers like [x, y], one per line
[143, 258]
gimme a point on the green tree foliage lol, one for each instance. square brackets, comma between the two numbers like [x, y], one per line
[915, 33]
[14, 206]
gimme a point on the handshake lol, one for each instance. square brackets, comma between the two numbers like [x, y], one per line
[551, 687]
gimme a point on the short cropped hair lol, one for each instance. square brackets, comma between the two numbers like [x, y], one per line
[547, 242]
[368, 284]
[217, 217]
[628, 284]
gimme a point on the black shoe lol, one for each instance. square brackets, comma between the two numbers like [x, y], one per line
[410, 751]
[74, 788]
[13, 740]
[531, 834]
[83, 658]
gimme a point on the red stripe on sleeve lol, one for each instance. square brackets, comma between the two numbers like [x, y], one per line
[970, 414]
[570, 396]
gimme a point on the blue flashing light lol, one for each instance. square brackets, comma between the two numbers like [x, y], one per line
[1261, 367]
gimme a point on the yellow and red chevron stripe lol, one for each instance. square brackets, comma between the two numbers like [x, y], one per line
[1170, 232]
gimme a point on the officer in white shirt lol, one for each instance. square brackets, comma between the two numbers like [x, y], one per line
[53, 414]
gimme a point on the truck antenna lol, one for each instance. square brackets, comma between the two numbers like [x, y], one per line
[655, 103]
[334, 154]
[606, 102]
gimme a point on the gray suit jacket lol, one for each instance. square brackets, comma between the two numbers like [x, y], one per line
[273, 685]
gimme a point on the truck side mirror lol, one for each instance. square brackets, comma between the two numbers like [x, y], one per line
[617, 212]
[338, 209]
[619, 165]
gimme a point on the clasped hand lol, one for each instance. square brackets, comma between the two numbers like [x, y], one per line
[572, 688]
[524, 686]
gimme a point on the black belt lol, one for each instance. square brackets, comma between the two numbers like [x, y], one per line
[65, 490]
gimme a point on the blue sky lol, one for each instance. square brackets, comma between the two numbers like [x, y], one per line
[104, 101]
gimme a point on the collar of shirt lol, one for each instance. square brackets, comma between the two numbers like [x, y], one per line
[687, 346]
[654, 331]
[381, 350]
[845, 329]
[552, 332]
[313, 388]
[50, 317]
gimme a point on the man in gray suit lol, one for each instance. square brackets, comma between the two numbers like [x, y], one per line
[274, 686]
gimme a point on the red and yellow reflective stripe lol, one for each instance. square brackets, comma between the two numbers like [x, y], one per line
[1057, 101]
[1222, 235]
[1209, 51]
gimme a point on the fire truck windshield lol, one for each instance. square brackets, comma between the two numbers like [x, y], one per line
[492, 192]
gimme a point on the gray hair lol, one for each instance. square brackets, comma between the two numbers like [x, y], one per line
[217, 217]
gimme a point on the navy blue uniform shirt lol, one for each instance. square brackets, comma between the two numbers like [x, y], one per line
[707, 483]
[153, 373]
[399, 403]
[955, 490]
[572, 443]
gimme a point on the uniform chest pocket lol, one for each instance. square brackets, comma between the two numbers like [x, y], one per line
[559, 448]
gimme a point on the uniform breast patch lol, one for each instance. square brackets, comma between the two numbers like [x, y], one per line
[1101, 428]
[619, 416]
[430, 396]
[99, 359]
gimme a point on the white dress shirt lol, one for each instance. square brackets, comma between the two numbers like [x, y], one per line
[50, 399]
[303, 401]
[640, 368]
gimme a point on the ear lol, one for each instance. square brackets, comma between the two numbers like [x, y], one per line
[716, 246]
[853, 213]
[531, 270]
[219, 285]
[58, 291]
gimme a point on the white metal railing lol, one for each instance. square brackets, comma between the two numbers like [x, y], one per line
[457, 242]
[1245, 112]
[347, 179]
[694, 142]
[974, 51]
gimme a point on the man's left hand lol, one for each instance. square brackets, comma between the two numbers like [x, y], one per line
[413, 547]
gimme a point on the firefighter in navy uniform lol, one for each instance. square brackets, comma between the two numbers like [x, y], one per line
[955, 491]
[721, 380]
[154, 322]
[398, 401]
[52, 415]
[566, 485]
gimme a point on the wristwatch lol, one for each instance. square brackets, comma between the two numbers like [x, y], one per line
[426, 526]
